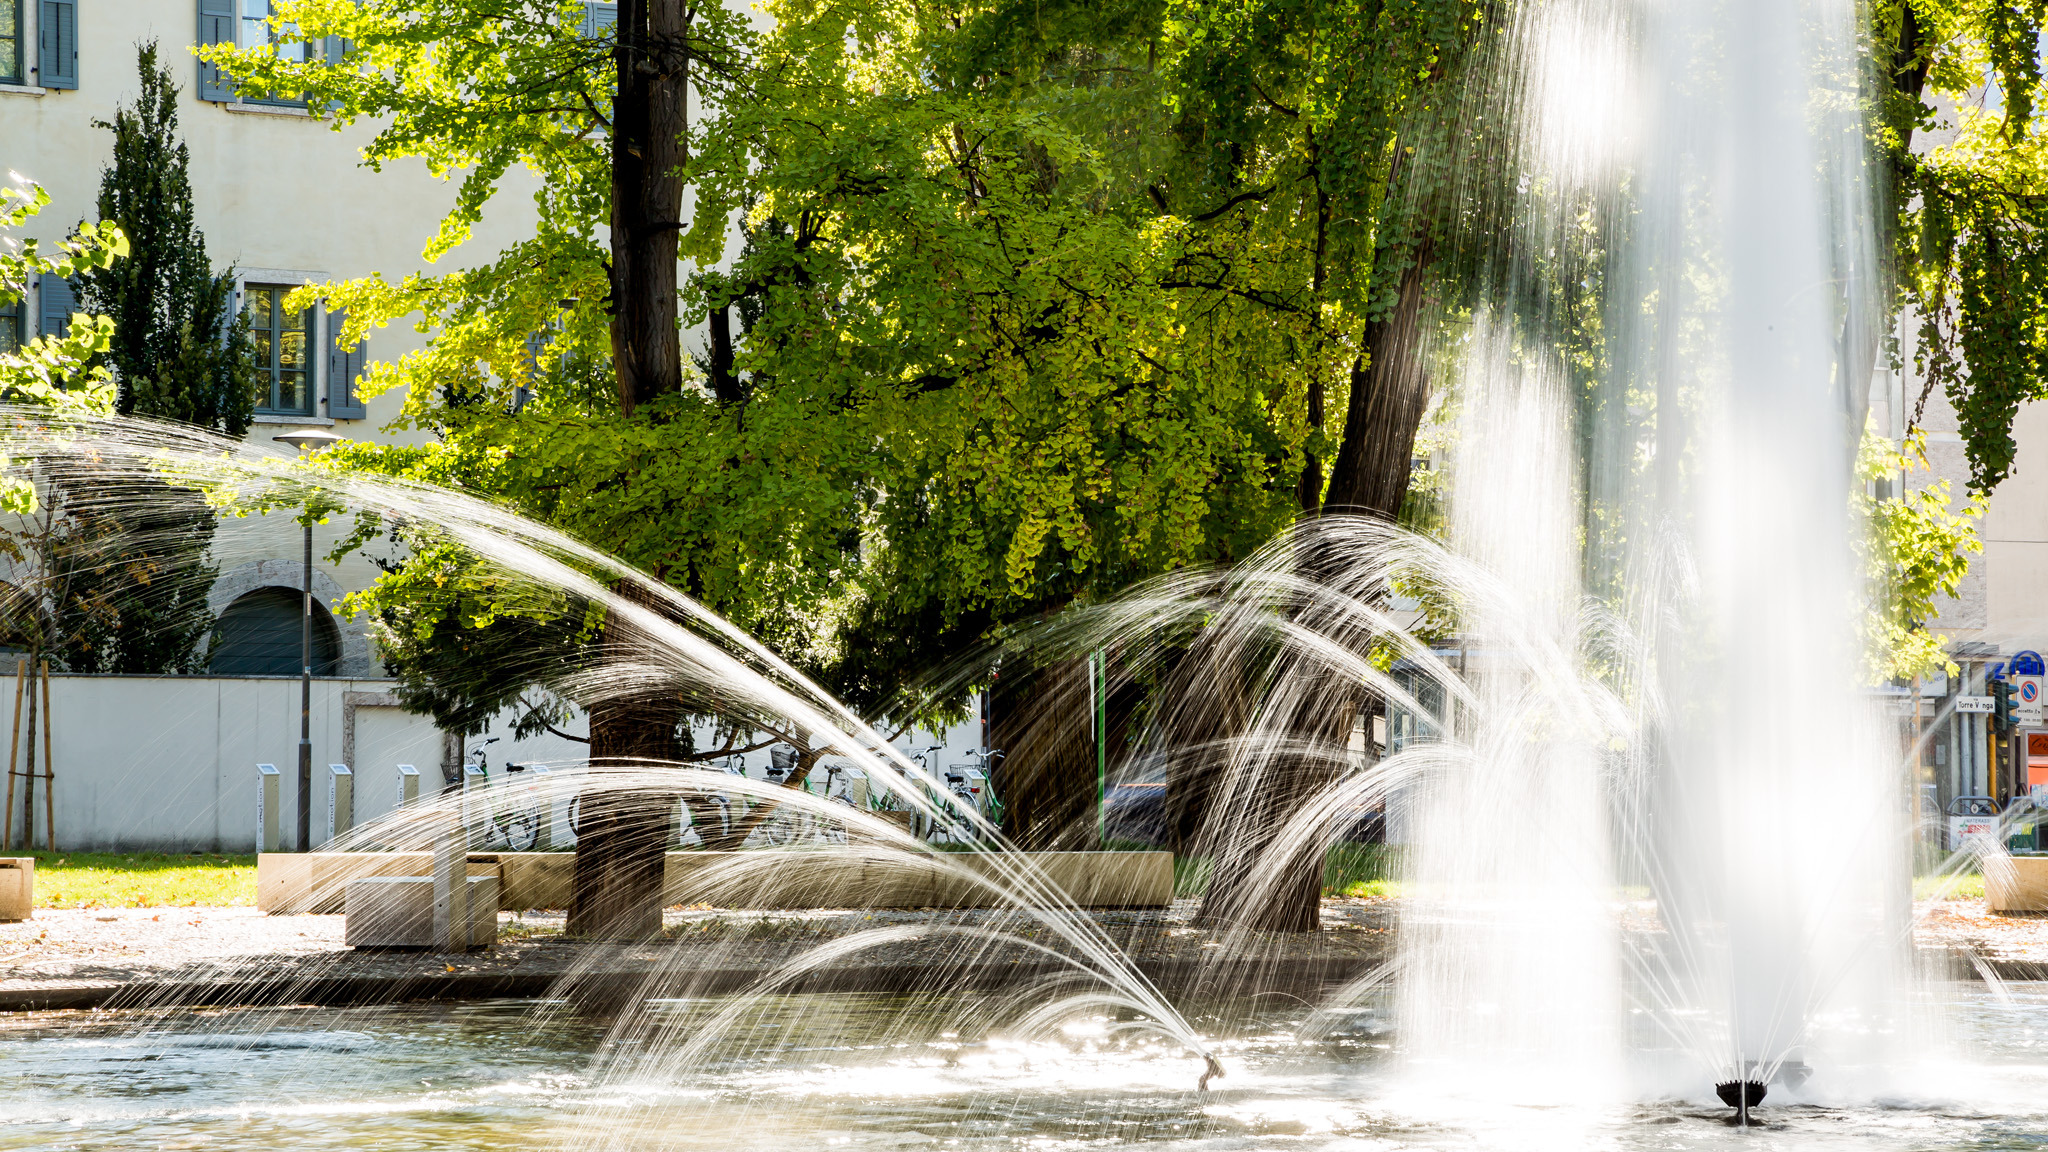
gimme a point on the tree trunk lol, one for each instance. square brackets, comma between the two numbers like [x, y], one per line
[1389, 392]
[1040, 718]
[1251, 804]
[1257, 881]
[649, 117]
[622, 840]
[616, 890]
[622, 837]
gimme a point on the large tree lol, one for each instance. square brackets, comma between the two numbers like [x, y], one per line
[598, 108]
[1034, 300]
[1966, 207]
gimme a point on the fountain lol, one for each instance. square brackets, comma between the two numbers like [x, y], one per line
[1620, 904]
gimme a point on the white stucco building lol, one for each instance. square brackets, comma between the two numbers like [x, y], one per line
[280, 196]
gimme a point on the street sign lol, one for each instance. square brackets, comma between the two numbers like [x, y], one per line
[2027, 701]
[1982, 704]
[1963, 829]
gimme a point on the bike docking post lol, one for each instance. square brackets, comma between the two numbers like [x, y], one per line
[408, 784]
[544, 830]
[451, 885]
[266, 808]
[474, 781]
[341, 801]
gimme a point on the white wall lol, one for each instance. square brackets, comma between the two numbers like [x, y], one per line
[169, 763]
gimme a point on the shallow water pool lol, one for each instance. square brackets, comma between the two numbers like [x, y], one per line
[883, 1072]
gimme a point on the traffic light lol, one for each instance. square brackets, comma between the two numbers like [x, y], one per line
[2002, 696]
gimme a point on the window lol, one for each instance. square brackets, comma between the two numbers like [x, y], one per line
[10, 327]
[258, 635]
[246, 24]
[10, 42]
[254, 30]
[282, 339]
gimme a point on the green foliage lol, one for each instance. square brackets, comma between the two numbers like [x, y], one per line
[1033, 301]
[1971, 214]
[1915, 551]
[84, 540]
[61, 372]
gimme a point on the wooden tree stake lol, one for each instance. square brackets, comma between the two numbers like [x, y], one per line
[49, 774]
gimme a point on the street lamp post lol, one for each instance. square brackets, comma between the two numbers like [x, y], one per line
[316, 439]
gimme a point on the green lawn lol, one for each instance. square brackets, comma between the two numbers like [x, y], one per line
[1966, 886]
[143, 879]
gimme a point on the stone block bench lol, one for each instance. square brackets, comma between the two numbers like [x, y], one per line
[761, 879]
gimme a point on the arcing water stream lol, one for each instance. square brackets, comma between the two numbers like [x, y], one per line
[1654, 844]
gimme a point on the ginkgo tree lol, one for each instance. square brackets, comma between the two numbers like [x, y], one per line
[1029, 301]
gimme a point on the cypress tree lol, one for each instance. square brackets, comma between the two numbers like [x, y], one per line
[178, 350]
[134, 564]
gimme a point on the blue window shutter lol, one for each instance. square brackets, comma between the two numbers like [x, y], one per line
[216, 26]
[57, 44]
[58, 303]
[337, 51]
[344, 366]
[598, 19]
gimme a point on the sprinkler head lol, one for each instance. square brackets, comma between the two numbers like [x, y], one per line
[1740, 1094]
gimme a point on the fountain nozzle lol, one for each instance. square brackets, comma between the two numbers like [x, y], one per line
[1214, 1071]
[1741, 1095]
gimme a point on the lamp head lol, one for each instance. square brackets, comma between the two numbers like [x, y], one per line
[314, 438]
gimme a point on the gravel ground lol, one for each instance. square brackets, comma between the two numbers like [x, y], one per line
[78, 946]
[1967, 925]
[62, 947]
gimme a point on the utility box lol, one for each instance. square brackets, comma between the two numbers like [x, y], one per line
[474, 781]
[17, 887]
[341, 801]
[408, 784]
[266, 809]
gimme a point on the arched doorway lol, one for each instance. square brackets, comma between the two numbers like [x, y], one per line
[258, 635]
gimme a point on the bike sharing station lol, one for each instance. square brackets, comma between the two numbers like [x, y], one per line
[2007, 830]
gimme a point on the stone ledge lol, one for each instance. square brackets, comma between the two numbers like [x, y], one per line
[289, 882]
[614, 987]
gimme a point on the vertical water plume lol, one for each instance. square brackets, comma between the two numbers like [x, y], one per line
[1665, 365]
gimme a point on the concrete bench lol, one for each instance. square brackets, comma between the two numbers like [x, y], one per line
[398, 912]
[765, 879]
[2016, 883]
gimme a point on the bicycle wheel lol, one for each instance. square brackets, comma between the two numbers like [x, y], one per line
[522, 827]
[780, 830]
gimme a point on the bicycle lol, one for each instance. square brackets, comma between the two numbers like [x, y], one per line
[786, 826]
[516, 820]
[980, 800]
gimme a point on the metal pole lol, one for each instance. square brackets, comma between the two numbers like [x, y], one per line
[306, 703]
[1099, 666]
